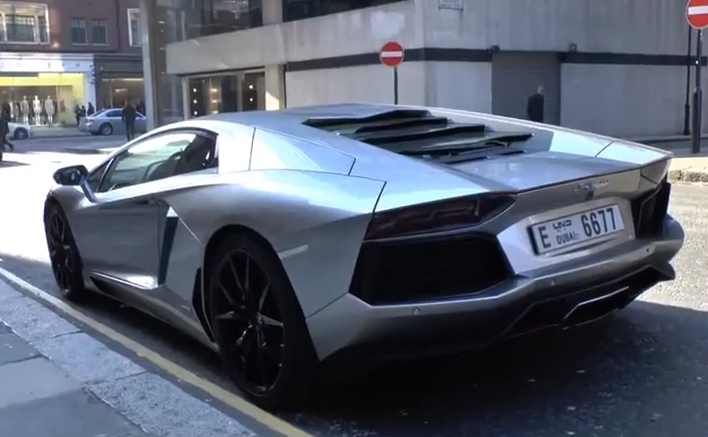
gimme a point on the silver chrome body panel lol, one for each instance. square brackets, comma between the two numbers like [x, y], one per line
[311, 195]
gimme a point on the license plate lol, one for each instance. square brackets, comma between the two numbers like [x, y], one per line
[577, 228]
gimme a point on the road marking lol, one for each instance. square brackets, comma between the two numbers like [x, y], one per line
[232, 400]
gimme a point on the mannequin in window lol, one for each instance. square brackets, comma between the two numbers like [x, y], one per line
[37, 108]
[24, 109]
[49, 109]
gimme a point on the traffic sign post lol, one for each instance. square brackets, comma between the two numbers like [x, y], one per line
[697, 17]
[391, 55]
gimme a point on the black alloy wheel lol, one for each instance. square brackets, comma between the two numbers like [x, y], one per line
[63, 253]
[258, 324]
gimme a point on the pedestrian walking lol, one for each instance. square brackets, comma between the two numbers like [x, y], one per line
[5, 119]
[128, 115]
[535, 106]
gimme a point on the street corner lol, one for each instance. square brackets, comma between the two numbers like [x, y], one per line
[49, 365]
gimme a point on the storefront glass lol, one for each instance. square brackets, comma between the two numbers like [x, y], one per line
[231, 92]
[165, 26]
[212, 17]
[170, 21]
[43, 98]
[115, 92]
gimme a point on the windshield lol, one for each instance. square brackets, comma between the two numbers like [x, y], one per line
[97, 113]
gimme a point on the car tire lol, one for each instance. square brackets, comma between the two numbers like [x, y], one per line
[284, 354]
[106, 129]
[63, 253]
[20, 134]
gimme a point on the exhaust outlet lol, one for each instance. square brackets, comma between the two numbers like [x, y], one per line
[597, 308]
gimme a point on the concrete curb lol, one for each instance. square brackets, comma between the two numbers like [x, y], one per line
[688, 175]
[54, 137]
[87, 151]
[156, 405]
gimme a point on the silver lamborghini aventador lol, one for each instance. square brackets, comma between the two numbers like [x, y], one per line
[286, 240]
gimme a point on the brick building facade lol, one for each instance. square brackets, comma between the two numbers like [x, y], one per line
[55, 54]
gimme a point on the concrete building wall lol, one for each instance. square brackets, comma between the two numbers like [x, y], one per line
[619, 26]
[621, 63]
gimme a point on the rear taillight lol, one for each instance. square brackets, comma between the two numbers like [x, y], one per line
[439, 216]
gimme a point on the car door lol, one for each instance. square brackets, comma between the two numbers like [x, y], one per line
[120, 223]
[114, 117]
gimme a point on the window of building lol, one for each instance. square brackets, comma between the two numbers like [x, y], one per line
[301, 9]
[134, 27]
[79, 32]
[213, 17]
[24, 23]
[99, 32]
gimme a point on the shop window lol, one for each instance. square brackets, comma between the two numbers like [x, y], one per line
[79, 33]
[237, 91]
[301, 9]
[134, 27]
[23, 23]
[99, 32]
[113, 93]
[51, 97]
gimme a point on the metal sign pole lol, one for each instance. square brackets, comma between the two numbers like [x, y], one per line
[687, 101]
[395, 85]
[697, 98]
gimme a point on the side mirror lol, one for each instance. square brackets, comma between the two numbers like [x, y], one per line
[72, 175]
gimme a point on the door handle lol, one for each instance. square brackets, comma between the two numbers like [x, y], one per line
[142, 202]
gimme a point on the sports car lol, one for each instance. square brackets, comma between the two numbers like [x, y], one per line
[355, 233]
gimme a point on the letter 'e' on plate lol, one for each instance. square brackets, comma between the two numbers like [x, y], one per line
[570, 230]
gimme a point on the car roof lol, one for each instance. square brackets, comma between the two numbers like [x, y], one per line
[292, 122]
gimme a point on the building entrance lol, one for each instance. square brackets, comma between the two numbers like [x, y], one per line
[227, 92]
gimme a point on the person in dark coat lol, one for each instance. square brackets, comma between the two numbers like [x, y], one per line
[128, 115]
[90, 110]
[5, 119]
[535, 106]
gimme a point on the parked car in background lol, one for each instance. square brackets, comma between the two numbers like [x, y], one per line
[20, 131]
[108, 122]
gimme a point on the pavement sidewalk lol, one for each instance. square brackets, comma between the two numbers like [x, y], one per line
[58, 381]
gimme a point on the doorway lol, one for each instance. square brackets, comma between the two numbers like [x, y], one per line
[517, 75]
[226, 92]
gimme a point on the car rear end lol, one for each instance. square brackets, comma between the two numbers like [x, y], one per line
[88, 124]
[485, 243]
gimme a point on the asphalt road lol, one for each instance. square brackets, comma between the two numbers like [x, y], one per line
[642, 372]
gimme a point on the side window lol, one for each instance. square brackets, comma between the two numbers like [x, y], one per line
[153, 159]
[112, 113]
[95, 177]
[199, 155]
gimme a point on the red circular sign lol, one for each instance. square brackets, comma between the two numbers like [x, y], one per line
[391, 54]
[697, 13]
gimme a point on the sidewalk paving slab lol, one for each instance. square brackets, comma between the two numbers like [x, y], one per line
[57, 380]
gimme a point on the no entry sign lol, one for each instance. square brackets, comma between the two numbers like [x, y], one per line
[697, 13]
[391, 54]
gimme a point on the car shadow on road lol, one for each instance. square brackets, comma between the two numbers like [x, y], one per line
[5, 163]
[642, 371]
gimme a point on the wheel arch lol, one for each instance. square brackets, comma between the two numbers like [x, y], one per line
[50, 201]
[200, 298]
